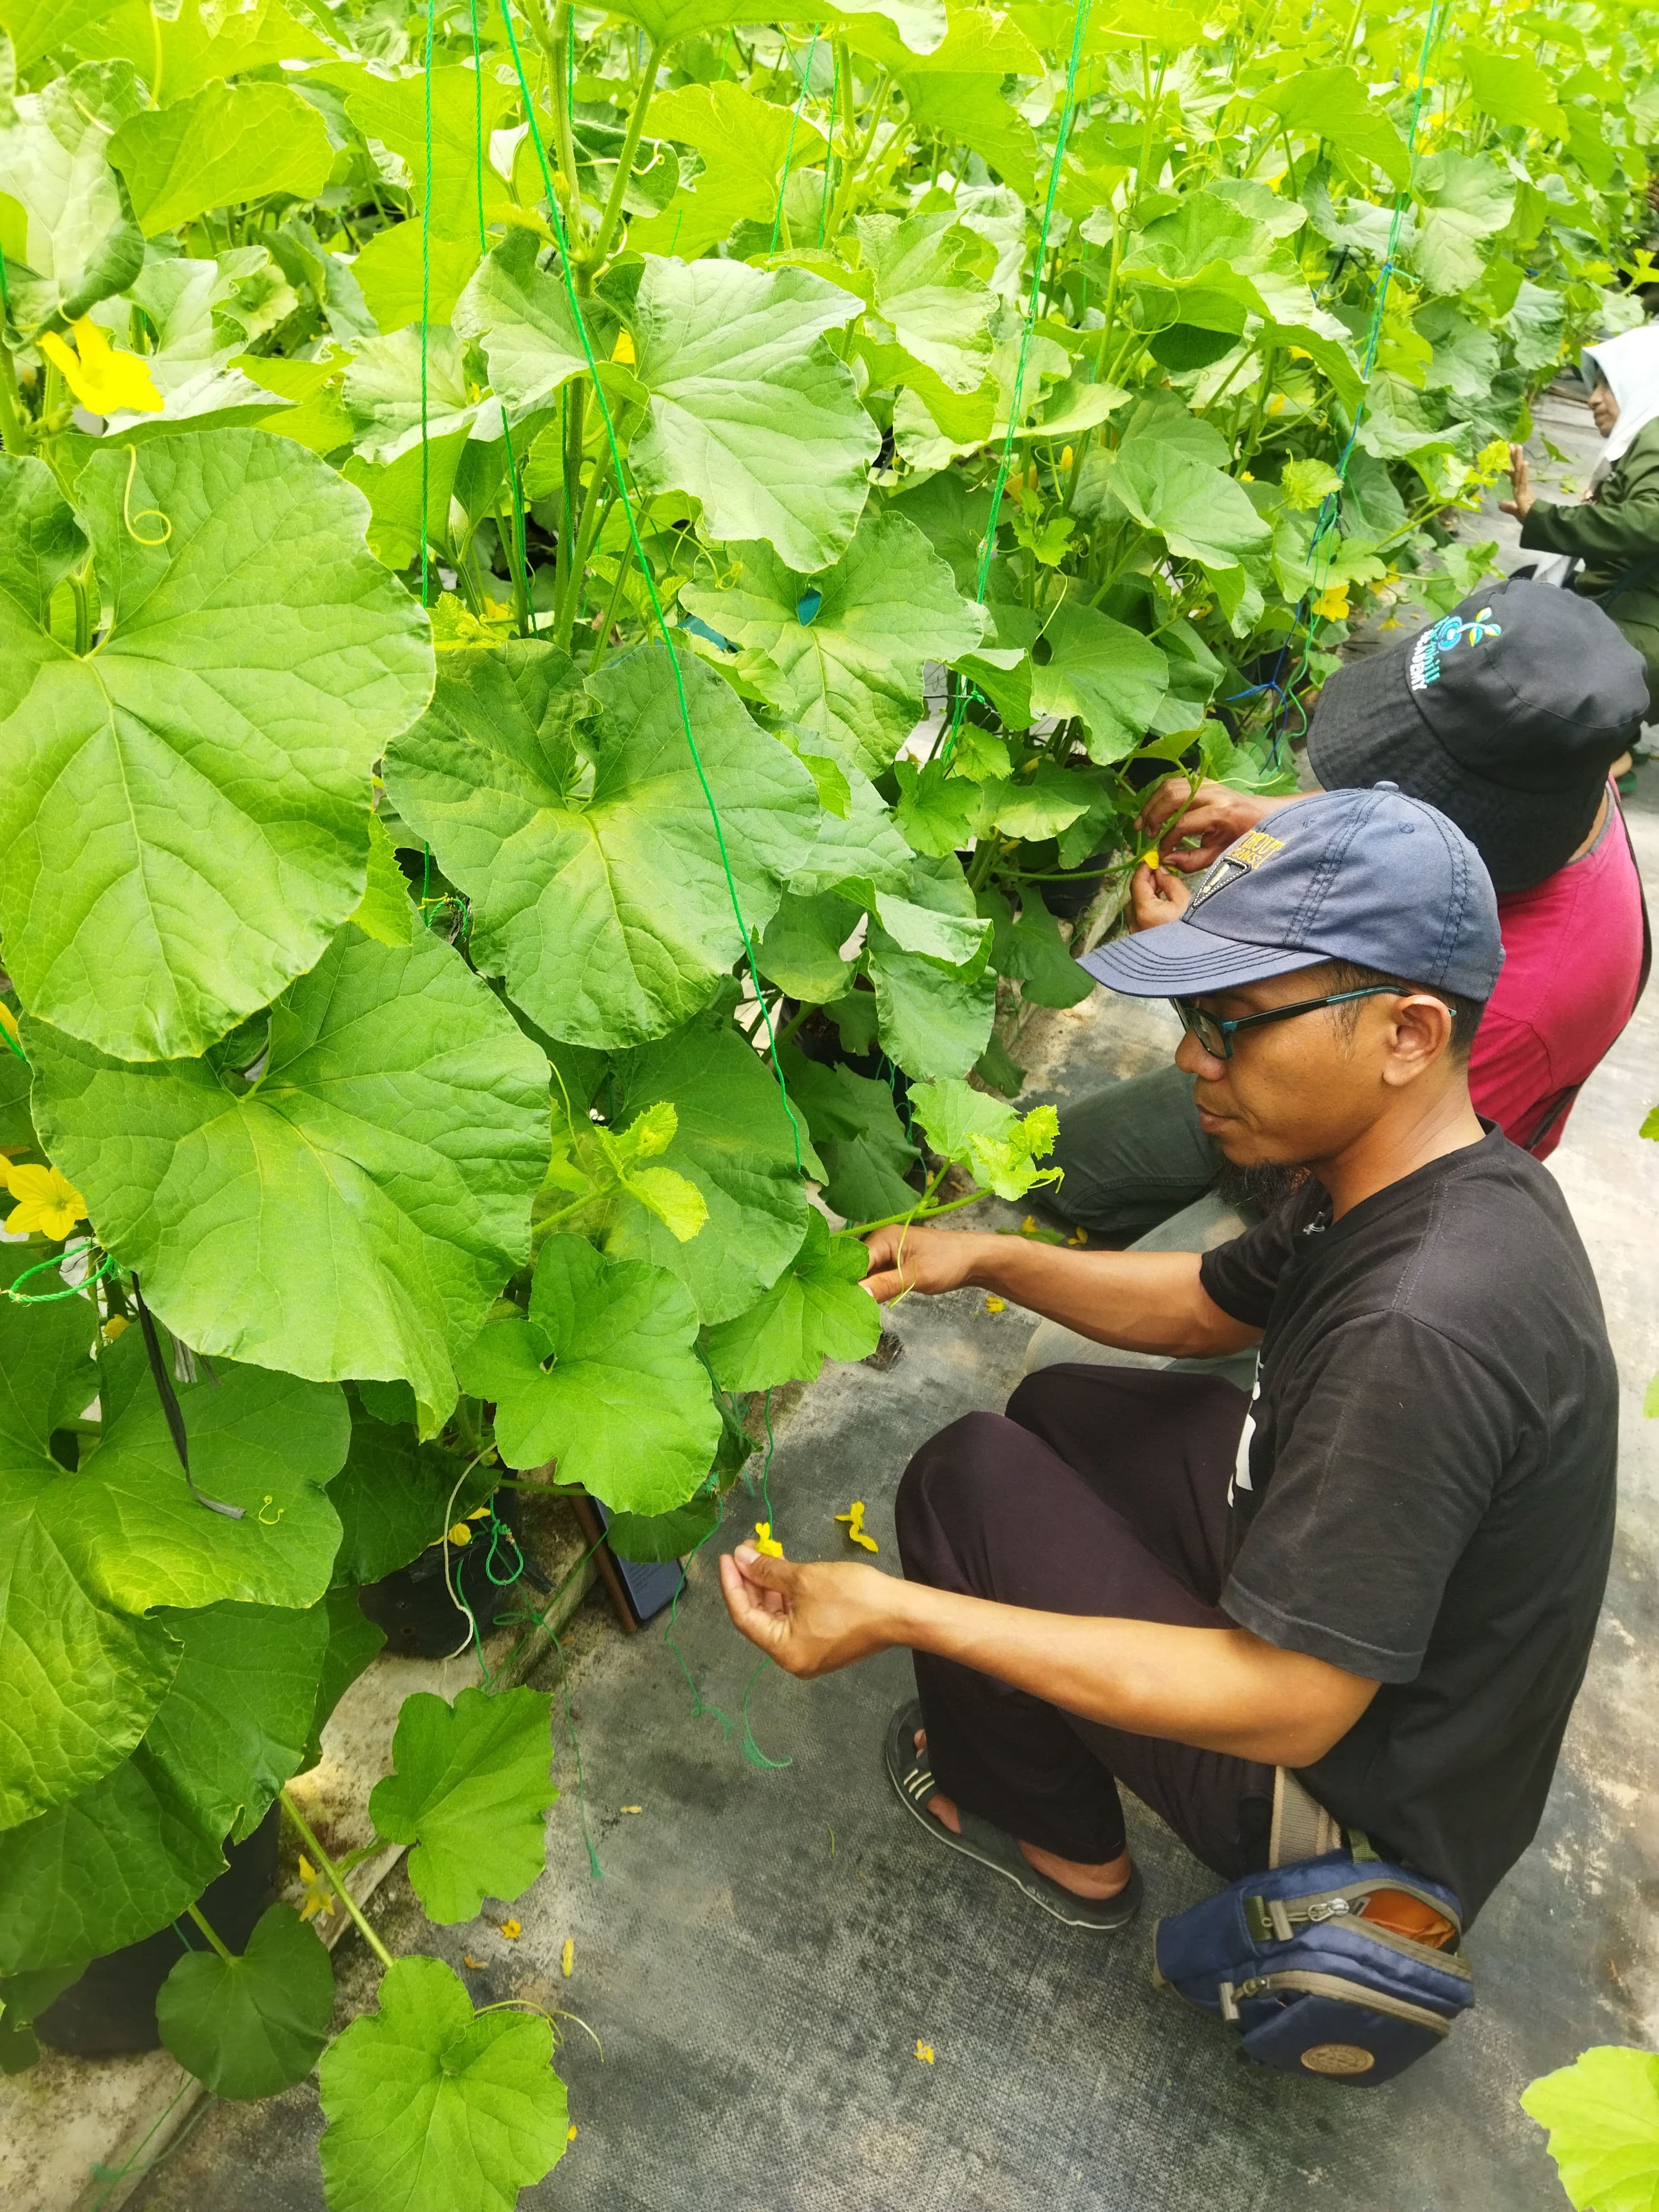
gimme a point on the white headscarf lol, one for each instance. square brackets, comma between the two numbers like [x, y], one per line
[1630, 364]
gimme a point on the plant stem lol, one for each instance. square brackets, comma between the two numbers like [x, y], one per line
[792, 1024]
[224, 1952]
[336, 1880]
[13, 422]
[630, 146]
[564, 143]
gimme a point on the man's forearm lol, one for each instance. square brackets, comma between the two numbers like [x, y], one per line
[1219, 1689]
[1138, 1300]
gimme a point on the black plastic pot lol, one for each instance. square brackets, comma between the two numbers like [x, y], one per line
[110, 2010]
[414, 1606]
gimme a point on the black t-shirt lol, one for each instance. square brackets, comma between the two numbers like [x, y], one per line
[1425, 1493]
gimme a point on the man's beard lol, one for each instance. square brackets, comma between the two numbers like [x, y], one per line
[1265, 1188]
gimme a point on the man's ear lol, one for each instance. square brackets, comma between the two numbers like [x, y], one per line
[1420, 1029]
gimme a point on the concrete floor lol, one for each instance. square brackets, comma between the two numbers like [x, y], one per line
[766, 1947]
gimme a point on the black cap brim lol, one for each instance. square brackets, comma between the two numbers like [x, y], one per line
[1179, 960]
[1368, 727]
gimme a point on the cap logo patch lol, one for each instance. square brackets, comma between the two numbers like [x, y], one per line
[1443, 637]
[1239, 858]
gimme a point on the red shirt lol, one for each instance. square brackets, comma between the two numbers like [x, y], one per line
[1572, 962]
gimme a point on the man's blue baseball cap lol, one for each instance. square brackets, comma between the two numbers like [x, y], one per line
[1368, 877]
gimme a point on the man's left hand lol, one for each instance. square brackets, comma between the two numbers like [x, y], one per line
[810, 1618]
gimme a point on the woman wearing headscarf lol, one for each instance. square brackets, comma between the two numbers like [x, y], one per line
[1614, 532]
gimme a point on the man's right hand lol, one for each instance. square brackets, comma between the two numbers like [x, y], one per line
[926, 1260]
[1216, 815]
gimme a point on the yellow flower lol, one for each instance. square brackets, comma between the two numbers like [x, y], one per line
[1331, 603]
[105, 382]
[1299, 353]
[467, 1959]
[633, 1808]
[1276, 404]
[853, 1517]
[1151, 857]
[570, 2132]
[1065, 459]
[319, 1891]
[1244, 477]
[460, 1534]
[567, 1957]
[512, 1930]
[117, 1325]
[46, 1200]
[1078, 1237]
[996, 1305]
[924, 2051]
[765, 1541]
[623, 350]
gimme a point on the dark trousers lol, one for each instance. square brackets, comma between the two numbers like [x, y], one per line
[1102, 1490]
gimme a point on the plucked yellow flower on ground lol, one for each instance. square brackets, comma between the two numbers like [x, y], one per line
[766, 1542]
[567, 1957]
[570, 2132]
[512, 1930]
[104, 381]
[1331, 603]
[853, 1517]
[319, 1891]
[924, 2051]
[995, 1305]
[46, 1200]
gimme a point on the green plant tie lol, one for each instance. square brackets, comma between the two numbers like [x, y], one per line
[573, 297]
[75, 1290]
[987, 544]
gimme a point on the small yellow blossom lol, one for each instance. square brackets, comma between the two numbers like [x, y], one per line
[766, 1542]
[1276, 404]
[570, 2132]
[623, 350]
[460, 1534]
[512, 1930]
[467, 1959]
[8, 1024]
[1028, 1227]
[319, 1891]
[567, 1957]
[1066, 458]
[1151, 857]
[1299, 353]
[633, 1808]
[1078, 1237]
[853, 1517]
[996, 1305]
[117, 1325]
[1331, 603]
[46, 1200]
[924, 2051]
[105, 382]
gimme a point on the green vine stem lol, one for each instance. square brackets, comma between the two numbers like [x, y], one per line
[217, 1942]
[336, 1880]
[631, 147]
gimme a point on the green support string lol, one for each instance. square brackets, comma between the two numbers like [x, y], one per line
[789, 145]
[426, 317]
[75, 1290]
[987, 544]
[573, 297]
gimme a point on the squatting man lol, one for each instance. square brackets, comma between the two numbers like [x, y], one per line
[1382, 1570]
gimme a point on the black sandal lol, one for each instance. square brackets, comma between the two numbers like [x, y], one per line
[910, 1774]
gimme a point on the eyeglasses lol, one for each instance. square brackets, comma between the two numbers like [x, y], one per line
[1216, 1036]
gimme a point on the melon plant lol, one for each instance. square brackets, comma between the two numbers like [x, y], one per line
[587, 599]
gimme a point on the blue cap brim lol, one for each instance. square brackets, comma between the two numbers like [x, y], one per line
[1178, 960]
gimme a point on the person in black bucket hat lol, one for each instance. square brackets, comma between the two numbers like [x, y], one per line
[1508, 715]
[1380, 1571]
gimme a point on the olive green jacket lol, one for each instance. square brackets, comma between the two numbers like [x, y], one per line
[1614, 536]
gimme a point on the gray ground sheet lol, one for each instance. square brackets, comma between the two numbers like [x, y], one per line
[768, 1947]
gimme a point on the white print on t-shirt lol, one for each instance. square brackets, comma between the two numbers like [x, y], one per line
[1241, 1464]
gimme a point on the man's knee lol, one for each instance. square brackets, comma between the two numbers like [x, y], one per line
[944, 1493]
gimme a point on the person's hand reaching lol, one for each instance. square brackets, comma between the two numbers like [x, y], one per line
[1216, 815]
[1157, 895]
[1521, 482]
[926, 1260]
[810, 1618]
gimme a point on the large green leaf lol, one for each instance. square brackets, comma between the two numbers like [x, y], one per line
[265, 1441]
[842, 651]
[857, 1135]
[382, 391]
[126, 1855]
[79, 1681]
[999, 1147]
[818, 1309]
[1202, 513]
[177, 54]
[750, 411]
[1332, 104]
[1108, 675]
[433, 2108]
[390, 274]
[744, 143]
[1513, 89]
[469, 1792]
[863, 842]
[80, 241]
[228, 144]
[520, 313]
[1463, 198]
[1602, 2114]
[390, 1496]
[600, 1376]
[184, 818]
[355, 1212]
[933, 1020]
[734, 1141]
[253, 2026]
[394, 110]
[801, 950]
[597, 886]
